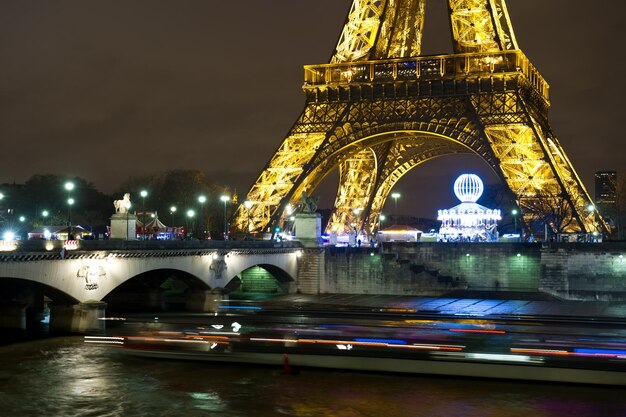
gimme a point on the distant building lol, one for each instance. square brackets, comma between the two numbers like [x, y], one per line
[399, 233]
[606, 196]
[606, 188]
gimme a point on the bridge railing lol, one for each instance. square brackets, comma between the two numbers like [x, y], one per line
[34, 246]
[424, 68]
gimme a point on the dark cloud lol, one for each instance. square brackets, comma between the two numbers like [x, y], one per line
[110, 89]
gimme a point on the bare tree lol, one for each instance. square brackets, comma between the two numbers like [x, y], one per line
[547, 209]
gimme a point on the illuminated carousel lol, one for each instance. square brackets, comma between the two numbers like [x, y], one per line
[468, 221]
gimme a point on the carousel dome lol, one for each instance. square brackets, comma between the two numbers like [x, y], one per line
[468, 188]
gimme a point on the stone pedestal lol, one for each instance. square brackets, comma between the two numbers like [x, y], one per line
[124, 226]
[80, 318]
[309, 229]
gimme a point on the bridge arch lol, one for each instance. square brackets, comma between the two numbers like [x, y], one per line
[31, 291]
[261, 278]
[379, 155]
[154, 288]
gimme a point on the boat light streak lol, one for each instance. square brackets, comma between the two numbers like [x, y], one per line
[477, 331]
[600, 352]
[344, 347]
[353, 343]
[489, 357]
[104, 340]
[382, 341]
[541, 351]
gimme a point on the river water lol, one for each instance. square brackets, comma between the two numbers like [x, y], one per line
[66, 377]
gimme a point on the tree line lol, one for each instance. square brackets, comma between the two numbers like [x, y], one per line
[42, 200]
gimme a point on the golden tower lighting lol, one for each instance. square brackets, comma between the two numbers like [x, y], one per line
[380, 108]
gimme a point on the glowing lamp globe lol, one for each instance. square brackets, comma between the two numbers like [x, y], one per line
[468, 188]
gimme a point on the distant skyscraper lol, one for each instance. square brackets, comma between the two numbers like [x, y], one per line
[606, 188]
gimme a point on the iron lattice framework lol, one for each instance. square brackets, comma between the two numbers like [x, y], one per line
[379, 109]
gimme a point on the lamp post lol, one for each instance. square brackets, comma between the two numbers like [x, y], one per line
[358, 225]
[381, 219]
[143, 195]
[172, 211]
[514, 213]
[70, 203]
[127, 220]
[592, 210]
[190, 215]
[225, 199]
[202, 200]
[69, 186]
[395, 197]
[22, 220]
[248, 205]
[44, 216]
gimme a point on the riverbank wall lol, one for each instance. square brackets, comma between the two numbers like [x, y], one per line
[566, 270]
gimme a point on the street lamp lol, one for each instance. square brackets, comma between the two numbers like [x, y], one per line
[357, 220]
[592, 210]
[225, 199]
[172, 211]
[143, 195]
[514, 213]
[190, 215]
[70, 202]
[202, 200]
[395, 197]
[248, 205]
[381, 219]
[69, 186]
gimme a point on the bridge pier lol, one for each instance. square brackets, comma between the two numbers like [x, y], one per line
[80, 318]
[205, 300]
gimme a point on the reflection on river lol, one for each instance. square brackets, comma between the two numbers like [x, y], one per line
[66, 377]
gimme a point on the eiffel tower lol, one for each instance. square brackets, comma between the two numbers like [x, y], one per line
[380, 108]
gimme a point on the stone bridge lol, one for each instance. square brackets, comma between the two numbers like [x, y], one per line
[86, 273]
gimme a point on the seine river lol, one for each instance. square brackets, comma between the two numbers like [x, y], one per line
[65, 377]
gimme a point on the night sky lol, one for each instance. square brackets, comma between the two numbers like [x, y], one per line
[110, 89]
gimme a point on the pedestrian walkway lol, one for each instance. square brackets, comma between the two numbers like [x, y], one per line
[480, 304]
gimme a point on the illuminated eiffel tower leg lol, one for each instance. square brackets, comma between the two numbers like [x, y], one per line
[379, 109]
[361, 206]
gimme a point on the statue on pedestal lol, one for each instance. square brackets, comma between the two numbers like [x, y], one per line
[308, 204]
[123, 205]
[123, 223]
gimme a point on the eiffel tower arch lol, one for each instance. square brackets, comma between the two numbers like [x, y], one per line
[379, 108]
